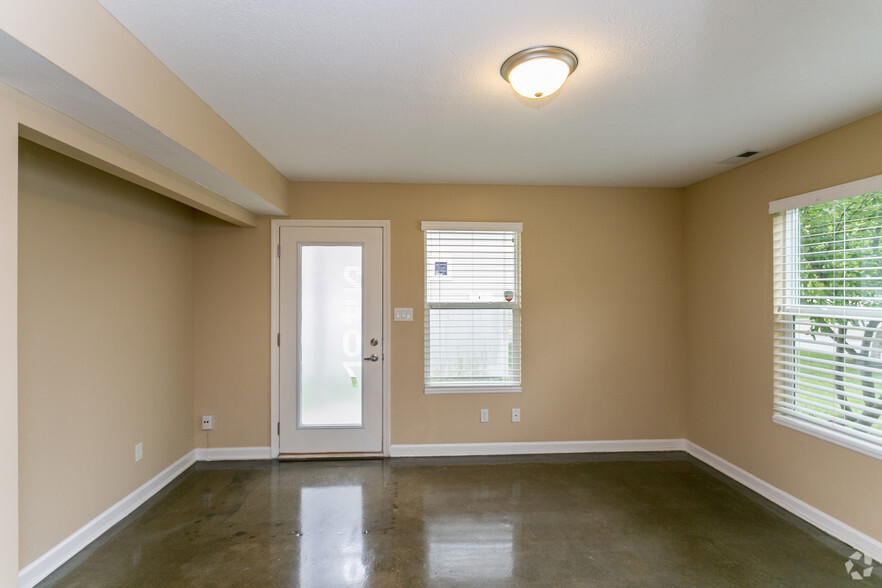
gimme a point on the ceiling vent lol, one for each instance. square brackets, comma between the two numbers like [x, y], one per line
[741, 157]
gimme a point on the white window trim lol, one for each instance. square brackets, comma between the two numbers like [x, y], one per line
[802, 423]
[864, 186]
[472, 226]
[472, 389]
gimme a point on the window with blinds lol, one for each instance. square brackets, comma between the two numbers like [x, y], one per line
[472, 307]
[828, 311]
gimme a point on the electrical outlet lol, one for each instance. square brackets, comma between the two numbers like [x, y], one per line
[516, 415]
[207, 422]
[485, 415]
[139, 451]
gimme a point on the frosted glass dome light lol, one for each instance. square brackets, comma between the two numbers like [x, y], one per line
[539, 71]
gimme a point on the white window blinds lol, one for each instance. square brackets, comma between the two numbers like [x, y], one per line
[828, 310]
[472, 307]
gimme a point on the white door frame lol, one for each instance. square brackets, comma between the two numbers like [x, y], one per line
[277, 224]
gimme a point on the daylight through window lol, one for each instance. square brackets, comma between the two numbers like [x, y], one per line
[472, 307]
[828, 310]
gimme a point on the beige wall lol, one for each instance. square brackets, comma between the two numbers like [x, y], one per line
[113, 322]
[105, 342]
[612, 351]
[232, 317]
[729, 319]
[602, 319]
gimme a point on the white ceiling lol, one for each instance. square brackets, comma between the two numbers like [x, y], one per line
[410, 91]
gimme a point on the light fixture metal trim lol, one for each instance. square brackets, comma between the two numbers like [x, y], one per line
[540, 52]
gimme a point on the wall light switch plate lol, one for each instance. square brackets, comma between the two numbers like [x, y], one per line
[403, 314]
[516, 415]
[139, 451]
[485, 415]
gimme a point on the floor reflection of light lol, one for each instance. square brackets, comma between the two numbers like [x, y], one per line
[468, 550]
[332, 543]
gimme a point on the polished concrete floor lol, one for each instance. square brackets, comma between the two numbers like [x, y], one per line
[574, 520]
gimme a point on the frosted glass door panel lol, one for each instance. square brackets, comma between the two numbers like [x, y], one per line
[331, 360]
[330, 383]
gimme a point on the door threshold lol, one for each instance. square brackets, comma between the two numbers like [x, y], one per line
[323, 456]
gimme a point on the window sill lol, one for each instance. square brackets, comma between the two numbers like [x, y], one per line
[472, 389]
[841, 439]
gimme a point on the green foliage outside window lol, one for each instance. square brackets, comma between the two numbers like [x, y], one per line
[840, 268]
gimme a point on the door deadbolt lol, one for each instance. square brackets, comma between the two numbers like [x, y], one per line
[374, 342]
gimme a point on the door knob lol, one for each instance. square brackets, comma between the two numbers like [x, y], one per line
[373, 357]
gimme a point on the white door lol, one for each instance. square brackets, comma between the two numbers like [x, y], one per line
[331, 340]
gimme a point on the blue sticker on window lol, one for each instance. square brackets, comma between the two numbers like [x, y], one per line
[440, 268]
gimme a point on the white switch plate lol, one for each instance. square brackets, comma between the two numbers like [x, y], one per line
[485, 415]
[516, 415]
[139, 451]
[403, 314]
[207, 422]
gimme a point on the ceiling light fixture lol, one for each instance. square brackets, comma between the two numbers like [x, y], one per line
[538, 72]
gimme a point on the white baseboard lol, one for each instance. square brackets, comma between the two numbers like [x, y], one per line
[55, 557]
[31, 574]
[528, 448]
[845, 533]
[233, 453]
[52, 559]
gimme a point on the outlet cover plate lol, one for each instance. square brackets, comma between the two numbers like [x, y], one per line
[485, 415]
[207, 422]
[139, 451]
